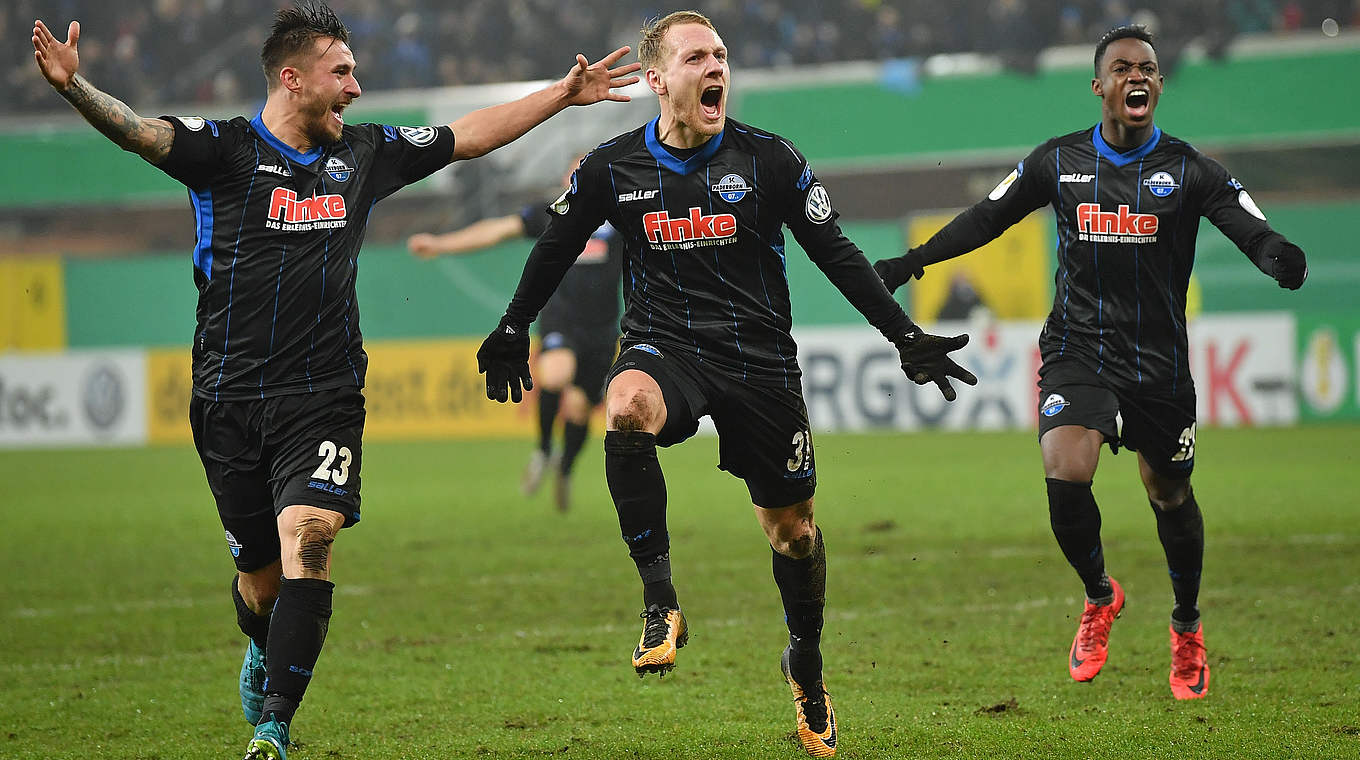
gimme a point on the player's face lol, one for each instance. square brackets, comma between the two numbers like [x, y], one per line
[693, 76]
[327, 88]
[1130, 83]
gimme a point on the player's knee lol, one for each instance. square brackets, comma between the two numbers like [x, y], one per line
[575, 405]
[1074, 469]
[314, 538]
[635, 410]
[260, 589]
[1168, 495]
[793, 534]
[798, 544]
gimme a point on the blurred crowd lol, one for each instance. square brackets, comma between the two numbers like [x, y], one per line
[181, 52]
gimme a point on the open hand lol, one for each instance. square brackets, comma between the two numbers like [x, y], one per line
[588, 82]
[504, 358]
[58, 61]
[925, 359]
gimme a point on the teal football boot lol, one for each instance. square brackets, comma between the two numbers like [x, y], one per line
[270, 742]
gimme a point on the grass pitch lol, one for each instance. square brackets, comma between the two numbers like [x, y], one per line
[471, 622]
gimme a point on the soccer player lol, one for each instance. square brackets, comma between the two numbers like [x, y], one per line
[1128, 198]
[701, 201]
[578, 332]
[281, 202]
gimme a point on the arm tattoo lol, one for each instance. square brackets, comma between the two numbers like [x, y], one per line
[148, 138]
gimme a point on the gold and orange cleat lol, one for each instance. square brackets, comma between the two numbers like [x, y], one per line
[663, 632]
[816, 717]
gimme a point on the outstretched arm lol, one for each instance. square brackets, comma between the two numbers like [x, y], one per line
[487, 129]
[59, 63]
[474, 237]
[1018, 194]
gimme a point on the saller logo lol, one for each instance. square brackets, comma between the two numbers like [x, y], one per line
[1115, 226]
[698, 229]
[308, 213]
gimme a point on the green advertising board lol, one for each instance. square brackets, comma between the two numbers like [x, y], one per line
[1329, 365]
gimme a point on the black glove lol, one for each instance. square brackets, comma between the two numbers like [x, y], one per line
[895, 272]
[925, 358]
[1287, 264]
[504, 357]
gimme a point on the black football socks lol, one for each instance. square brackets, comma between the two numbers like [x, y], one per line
[296, 634]
[802, 586]
[573, 439]
[1075, 519]
[639, 491]
[1182, 533]
[252, 625]
[548, 403]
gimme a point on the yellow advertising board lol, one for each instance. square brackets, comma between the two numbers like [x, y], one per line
[32, 303]
[415, 390]
[1012, 274]
[169, 383]
[431, 389]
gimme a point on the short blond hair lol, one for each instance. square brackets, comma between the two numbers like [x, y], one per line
[649, 47]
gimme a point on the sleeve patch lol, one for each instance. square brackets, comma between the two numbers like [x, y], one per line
[561, 206]
[1245, 201]
[419, 136]
[192, 123]
[1005, 185]
[818, 204]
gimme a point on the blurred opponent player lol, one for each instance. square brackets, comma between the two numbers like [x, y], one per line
[701, 201]
[1128, 199]
[282, 201]
[578, 330]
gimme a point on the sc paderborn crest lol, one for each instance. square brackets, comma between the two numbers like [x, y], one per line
[731, 188]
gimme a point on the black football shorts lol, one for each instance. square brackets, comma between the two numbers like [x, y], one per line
[263, 455]
[763, 432]
[1160, 427]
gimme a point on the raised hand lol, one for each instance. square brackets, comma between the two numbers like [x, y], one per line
[58, 61]
[925, 359]
[588, 82]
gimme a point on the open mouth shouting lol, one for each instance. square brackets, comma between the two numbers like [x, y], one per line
[338, 112]
[711, 102]
[1136, 103]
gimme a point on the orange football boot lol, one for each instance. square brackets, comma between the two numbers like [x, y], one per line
[1091, 645]
[1189, 665]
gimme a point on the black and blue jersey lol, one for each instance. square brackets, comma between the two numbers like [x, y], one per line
[704, 269]
[1126, 228]
[278, 242]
